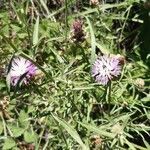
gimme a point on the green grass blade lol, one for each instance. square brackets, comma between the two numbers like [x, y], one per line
[36, 32]
[72, 132]
[45, 7]
[131, 146]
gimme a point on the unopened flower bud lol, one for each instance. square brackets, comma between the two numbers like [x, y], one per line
[77, 31]
[139, 83]
[94, 2]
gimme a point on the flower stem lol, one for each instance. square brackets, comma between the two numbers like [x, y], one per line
[108, 96]
[66, 21]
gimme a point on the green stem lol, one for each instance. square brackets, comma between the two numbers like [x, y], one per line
[66, 20]
[108, 96]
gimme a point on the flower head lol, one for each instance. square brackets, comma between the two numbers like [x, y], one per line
[105, 68]
[94, 2]
[21, 67]
[77, 31]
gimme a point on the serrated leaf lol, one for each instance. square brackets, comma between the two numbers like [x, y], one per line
[30, 137]
[17, 131]
[23, 118]
[9, 144]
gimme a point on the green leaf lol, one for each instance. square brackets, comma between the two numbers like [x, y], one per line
[139, 147]
[36, 32]
[146, 144]
[98, 130]
[15, 148]
[2, 85]
[72, 132]
[45, 7]
[9, 144]
[93, 41]
[146, 99]
[8, 77]
[17, 131]
[8, 81]
[30, 137]
[1, 127]
[22, 35]
[9, 42]
[102, 48]
[57, 56]
[23, 118]
[131, 146]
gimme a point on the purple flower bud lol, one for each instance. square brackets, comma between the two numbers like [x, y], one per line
[77, 31]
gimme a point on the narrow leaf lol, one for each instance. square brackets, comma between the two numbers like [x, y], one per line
[72, 132]
[130, 144]
[98, 130]
[45, 7]
[36, 32]
[93, 41]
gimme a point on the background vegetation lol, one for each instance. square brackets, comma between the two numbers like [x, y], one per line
[64, 108]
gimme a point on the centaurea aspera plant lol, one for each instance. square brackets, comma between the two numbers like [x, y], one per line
[104, 70]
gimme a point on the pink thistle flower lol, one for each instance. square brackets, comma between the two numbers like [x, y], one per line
[106, 68]
[21, 68]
